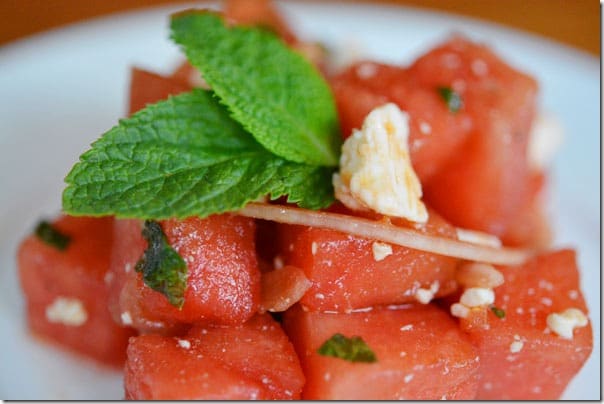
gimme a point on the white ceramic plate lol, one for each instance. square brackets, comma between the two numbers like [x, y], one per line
[61, 90]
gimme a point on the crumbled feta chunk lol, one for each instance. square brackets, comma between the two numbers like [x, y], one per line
[380, 250]
[278, 262]
[564, 323]
[475, 297]
[126, 318]
[516, 346]
[544, 140]
[67, 311]
[366, 70]
[375, 168]
[459, 310]
[425, 296]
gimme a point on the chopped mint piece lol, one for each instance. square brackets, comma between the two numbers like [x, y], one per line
[451, 98]
[500, 313]
[351, 349]
[51, 236]
[163, 269]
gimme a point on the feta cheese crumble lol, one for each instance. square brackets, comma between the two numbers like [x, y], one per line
[380, 250]
[67, 311]
[474, 297]
[564, 323]
[545, 139]
[375, 168]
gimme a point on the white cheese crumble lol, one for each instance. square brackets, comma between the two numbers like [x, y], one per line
[516, 346]
[126, 318]
[564, 323]
[425, 128]
[459, 310]
[278, 262]
[184, 343]
[475, 297]
[375, 168]
[67, 311]
[425, 296]
[380, 250]
[366, 70]
[545, 139]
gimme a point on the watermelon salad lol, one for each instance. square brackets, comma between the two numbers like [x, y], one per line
[268, 224]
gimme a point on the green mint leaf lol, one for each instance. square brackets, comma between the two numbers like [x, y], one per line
[351, 349]
[451, 98]
[183, 157]
[499, 313]
[274, 92]
[163, 269]
[51, 236]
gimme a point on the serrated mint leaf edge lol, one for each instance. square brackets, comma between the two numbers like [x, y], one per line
[325, 147]
[80, 197]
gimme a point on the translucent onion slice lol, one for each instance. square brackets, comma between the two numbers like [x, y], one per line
[388, 233]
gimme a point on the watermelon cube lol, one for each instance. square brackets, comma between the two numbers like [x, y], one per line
[521, 356]
[434, 134]
[66, 292]
[486, 182]
[148, 88]
[254, 360]
[349, 272]
[420, 354]
[223, 284]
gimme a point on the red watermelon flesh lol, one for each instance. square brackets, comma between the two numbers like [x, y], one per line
[485, 183]
[148, 88]
[250, 361]
[223, 283]
[347, 274]
[434, 133]
[421, 354]
[520, 357]
[57, 283]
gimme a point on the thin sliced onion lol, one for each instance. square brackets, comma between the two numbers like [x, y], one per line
[386, 232]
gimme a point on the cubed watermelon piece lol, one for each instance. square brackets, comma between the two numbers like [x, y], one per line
[148, 88]
[530, 226]
[349, 272]
[259, 12]
[420, 352]
[434, 133]
[223, 284]
[486, 182]
[520, 357]
[250, 361]
[66, 292]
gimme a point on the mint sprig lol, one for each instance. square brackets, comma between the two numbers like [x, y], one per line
[185, 157]
[274, 92]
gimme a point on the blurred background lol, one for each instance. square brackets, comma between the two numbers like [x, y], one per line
[572, 22]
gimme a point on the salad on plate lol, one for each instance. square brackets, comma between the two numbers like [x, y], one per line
[269, 222]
